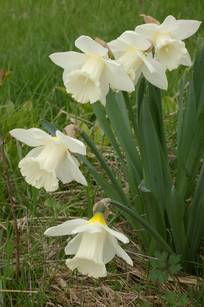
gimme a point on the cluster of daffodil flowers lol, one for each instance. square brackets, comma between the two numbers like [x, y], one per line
[150, 50]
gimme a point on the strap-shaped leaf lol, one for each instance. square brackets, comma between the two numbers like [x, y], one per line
[156, 169]
[176, 218]
[198, 79]
[118, 115]
[100, 113]
[152, 210]
[108, 188]
[191, 142]
[145, 224]
[195, 214]
[105, 167]
[49, 127]
[156, 113]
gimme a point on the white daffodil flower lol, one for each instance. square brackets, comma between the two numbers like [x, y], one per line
[94, 245]
[132, 51]
[87, 76]
[167, 39]
[51, 159]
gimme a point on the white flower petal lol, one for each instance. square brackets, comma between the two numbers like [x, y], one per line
[120, 236]
[108, 250]
[33, 153]
[147, 30]
[65, 228]
[68, 170]
[168, 25]
[137, 75]
[69, 60]
[135, 40]
[71, 143]
[88, 228]
[104, 88]
[73, 245]
[185, 28]
[186, 60]
[157, 76]
[121, 253]
[118, 47]
[32, 137]
[88, 45]
[87, 267]
[117, 77]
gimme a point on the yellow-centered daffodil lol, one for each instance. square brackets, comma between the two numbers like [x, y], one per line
[94, 245]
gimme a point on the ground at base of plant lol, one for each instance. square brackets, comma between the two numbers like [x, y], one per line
[46, 281]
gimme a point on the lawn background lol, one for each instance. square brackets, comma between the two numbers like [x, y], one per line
[33, 91]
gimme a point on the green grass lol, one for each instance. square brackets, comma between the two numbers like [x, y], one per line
[30, 31]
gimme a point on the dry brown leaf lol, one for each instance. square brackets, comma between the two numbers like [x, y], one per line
[71, 130]
[104, 44]
[149, 19]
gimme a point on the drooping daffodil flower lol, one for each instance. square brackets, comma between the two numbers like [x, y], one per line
[89, 74]
[51, 158]
[94, 245]
[167, 39]
[133, 52]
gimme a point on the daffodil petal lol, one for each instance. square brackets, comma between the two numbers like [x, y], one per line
[157, 76]
[65, 228]
[71, 143]
[121, 253]
[104, 89]
[117, 77]
[89, 228]
[147, 30]
[186, 60]
[32, 137]
[73, 245]
[168, 25]
[69, 60]
[135, 40]
[68, 170]
[33, 153]
[118, 235]
[88, 45]
[118, 47]
[185, 28]
[108, 250]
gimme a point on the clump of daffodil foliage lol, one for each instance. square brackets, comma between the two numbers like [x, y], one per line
[107, 75]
